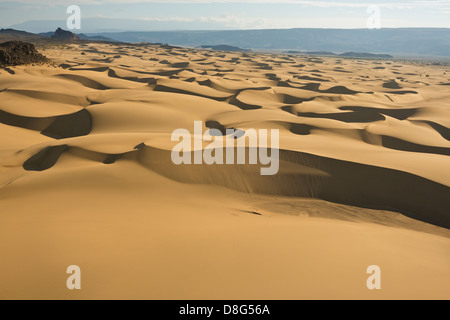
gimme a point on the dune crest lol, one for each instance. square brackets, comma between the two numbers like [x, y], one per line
[364, 149]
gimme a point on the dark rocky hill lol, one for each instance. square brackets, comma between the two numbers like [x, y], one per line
[14, 53]
[61, 34]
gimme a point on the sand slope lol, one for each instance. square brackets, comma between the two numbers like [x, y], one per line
[86, 177]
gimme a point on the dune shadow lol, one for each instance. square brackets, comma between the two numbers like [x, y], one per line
[319, 177]
[402, 145]
[44, 159]
[400, 114]
[58, 127]
[349, 117]
[242, 105]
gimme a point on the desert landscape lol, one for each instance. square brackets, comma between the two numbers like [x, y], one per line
[86, 176]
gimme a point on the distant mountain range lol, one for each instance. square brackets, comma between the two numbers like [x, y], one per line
[346, 54]
[11, 34]
[99, 24]
[81, 36]
[406, 41]
[225, 48]
[59, 34]
[364, 43]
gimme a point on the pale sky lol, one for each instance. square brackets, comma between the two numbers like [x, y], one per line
[225, 14]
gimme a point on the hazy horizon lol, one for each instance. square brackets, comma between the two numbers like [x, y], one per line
[156, 15]
[61, 24]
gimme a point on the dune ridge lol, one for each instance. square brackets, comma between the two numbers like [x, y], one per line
[243, 93]
[364, 148]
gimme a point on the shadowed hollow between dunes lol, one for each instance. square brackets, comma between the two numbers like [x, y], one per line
[58, 127]
[324, 178]
[300, 175]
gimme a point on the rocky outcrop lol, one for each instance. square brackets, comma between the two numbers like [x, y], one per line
[14, 53]
[61, 34]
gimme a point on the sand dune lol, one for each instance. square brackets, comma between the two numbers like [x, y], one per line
[86, 176]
